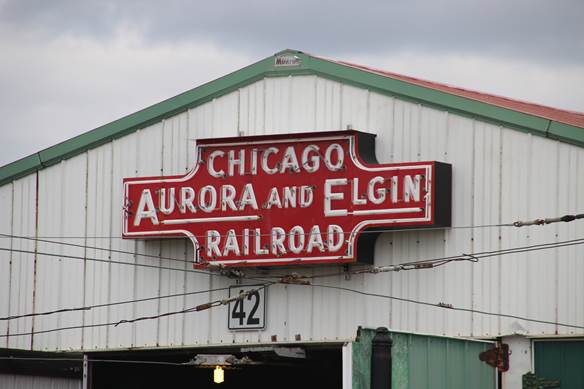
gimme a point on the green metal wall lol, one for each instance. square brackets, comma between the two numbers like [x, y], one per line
[560, 360]
[421, 362]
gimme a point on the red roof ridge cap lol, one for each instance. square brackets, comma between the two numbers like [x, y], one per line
[571, 117]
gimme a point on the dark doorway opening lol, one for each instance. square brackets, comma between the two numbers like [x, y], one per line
[320, 368]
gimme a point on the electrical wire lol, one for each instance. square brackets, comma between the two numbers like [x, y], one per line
[340, 288]
[197, 308]
[376, 231]
[111, 261]
[90, 307]
[565, 218]
[471, 256]
[295, 278]
[436, 262]
[446, 306]
[133, 253]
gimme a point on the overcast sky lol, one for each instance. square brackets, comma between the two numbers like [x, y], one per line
[68, 66]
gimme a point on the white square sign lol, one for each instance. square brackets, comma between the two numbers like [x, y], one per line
[248, 313]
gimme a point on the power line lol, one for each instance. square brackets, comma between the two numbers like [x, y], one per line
[243, 295]
[111, 261]
[295, 278]
[197, 308]
[474, 257]
[90, 307]
[65, 256]
[133, 253]
[394, 267]
[435, 262]
[221, 273]
[4, 235]
[446, 306]
[565, 218]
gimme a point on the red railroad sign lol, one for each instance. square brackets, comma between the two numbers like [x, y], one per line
[287, 199]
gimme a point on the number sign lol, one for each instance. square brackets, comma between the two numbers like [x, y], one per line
[248, 313]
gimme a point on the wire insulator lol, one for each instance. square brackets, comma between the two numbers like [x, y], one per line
[202, 307]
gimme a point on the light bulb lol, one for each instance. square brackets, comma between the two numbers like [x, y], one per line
[218, 376]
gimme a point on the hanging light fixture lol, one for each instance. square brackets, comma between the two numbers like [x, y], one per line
[218, 375]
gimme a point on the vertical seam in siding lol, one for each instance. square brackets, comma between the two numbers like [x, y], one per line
[34, 277]
[158, 301]
[109, 254]
[530, 203]
[341, 89]
[61, 248]
[315, 104]
[264, 90]
[186, 242]
[134, 325]
[290, 103]
[10, 260]
[84, 298]
[187, 140]
[499, 233]
[419, 125]
[367, 109]
[239, 112]
[444, 314]
[472, 223]
[557, 230]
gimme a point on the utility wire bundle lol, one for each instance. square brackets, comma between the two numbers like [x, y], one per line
[287, 279]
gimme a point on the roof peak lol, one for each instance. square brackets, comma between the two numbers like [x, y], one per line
[570, 117]
[543, 121]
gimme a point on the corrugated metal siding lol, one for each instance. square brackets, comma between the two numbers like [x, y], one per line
[499, 175]
[12, 381]
[6, 195]
[422, 361]
[562, 361]
[61, 208]
[21, 281]
[439, 363]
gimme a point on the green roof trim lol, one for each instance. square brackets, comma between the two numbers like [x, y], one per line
[307, 65]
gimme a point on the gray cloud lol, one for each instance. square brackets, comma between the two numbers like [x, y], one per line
[70, 65]
[543, 30]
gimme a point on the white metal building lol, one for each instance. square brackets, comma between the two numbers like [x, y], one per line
[510, 161]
